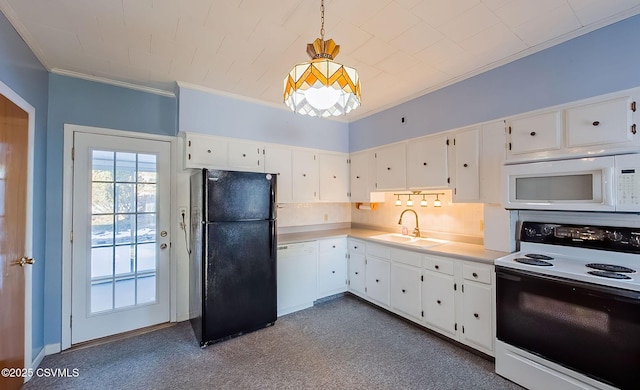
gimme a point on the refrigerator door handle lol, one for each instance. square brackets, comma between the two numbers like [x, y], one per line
[272, 204]
[272, 243]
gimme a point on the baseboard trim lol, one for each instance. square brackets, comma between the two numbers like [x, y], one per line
[51, 349]
[182, 317]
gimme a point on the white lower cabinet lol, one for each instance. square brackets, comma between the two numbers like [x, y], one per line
[356, 267]
[438, 302]
[332, 267]
[477, 314]
[405, 289]
[377, 277]
[297, 274]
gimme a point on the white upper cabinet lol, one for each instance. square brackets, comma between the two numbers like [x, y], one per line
[204, 151]
[362, 178]
[492, 154]
[607, 122]
[535, 133]
[466, 168]
[245, 156]
[334, 177]
[427, 162]
[305, 175]
[277, 161]
[391, 167]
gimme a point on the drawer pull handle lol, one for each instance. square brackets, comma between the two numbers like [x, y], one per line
[476, 315]
[439, 302]
[533, 133]
[475, 275]
[437, 266]
[596, 123]
[404, 291]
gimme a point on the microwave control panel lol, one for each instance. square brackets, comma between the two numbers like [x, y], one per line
[628, 182]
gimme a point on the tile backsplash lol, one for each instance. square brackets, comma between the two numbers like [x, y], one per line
[465, 219]
[307, 214]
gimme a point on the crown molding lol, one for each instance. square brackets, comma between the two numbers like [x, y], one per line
[116, 83]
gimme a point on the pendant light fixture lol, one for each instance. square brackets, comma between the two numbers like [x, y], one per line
[322, 87]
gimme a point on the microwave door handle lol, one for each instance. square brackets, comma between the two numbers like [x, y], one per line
[608, 184]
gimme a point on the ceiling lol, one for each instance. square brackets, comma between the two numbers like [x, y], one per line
[401, 48]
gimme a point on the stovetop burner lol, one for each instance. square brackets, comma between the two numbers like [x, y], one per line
[610, 275]
[611, 268]
[530, 261]
[538, 256]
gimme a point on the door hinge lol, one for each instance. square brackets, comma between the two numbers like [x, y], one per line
[455, 326]
[462, 328]
[422, 314]
[189, 143]
[70, 321]
[455, 191]
[189, 157]
[71, 236]
[365, 261]
[314, 157]
[509, 145]
[448, 180]
[462, 287]
[365, 289]
[447, 141]
[375, 155]
[348, 161]
[422, 278]
[454, 142]
[73, 154]
[455, 287]
[633, 129]
[633, 106]
[509, 129]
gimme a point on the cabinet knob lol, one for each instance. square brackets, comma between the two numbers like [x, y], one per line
[333, 272]
[424, 163]
[377, 280]
[475, 274]
[357, 177]
[355, 247]
[476, 315]
[333, 246]
[596, 123]
[533, 133]
[437, 267]
[465, 165]
[208, 150]
[357, 273]
[244, 155]
[439, 302]
[388, 168]
[404, 291]
[334, 177]
[304, 175]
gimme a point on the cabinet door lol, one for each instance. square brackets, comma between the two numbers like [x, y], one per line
[357, 281]
[332, 267]
[278, 161]
[305, 176]
[377, 277]
[391, 167]
[245, 156]
[537, 133]
[405, 289]
[492, 153]
[427, 163]
[477, 315]
[601, 123]
[205, 151]
[466, 170]
[334, 178]
[438, 302]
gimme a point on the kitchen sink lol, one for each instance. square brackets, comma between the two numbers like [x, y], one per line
[422, 242]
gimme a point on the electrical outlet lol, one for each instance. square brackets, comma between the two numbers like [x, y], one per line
[326, 217]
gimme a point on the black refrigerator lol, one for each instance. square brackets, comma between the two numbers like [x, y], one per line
[232, 278]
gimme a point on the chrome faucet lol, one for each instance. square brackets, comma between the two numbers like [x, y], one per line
[416, 231]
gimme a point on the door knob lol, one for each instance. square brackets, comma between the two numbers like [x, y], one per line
[163, 246]
[163, 233]
[26, 260]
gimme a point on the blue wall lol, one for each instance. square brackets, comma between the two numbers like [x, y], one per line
[603, 61]
[88, 103]
[21, 71]
[209, 113]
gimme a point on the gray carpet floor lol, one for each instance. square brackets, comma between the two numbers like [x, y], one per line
[343, 343]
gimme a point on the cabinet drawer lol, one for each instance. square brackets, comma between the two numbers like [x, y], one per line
[406, 257]
[332, 245]
[438, 264]
[378, 251]
[356, 246]
[477, 273]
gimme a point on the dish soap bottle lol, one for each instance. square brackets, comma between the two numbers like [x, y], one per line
[405, 231]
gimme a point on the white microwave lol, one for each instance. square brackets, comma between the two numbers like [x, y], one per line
[610, 183]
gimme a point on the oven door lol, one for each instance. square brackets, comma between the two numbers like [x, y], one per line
[591, 329]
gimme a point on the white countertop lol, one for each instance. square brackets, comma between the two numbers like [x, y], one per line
[463, 251]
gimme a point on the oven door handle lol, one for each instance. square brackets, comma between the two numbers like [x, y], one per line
[616, 293]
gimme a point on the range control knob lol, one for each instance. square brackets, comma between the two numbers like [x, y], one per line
[635, 240]
[547, 230]
[615, 236]
[530, 232]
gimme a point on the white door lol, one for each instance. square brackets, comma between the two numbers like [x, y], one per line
[120, 250]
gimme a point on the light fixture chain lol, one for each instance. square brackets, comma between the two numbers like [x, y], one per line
[322, 19]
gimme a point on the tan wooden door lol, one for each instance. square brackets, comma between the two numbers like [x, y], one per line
[14, 139]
